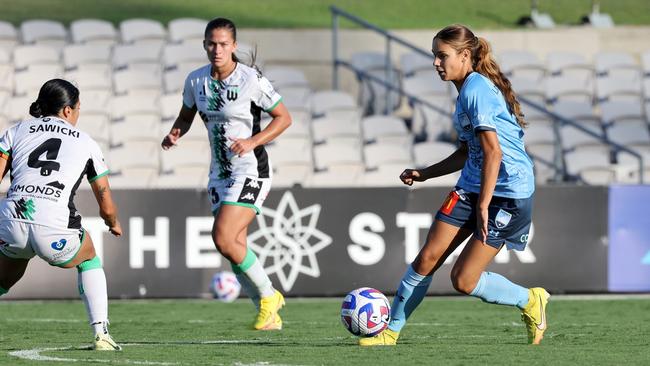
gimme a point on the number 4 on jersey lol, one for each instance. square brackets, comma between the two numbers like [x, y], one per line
[51, 148]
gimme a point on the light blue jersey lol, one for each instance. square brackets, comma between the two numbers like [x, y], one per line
[481, 107]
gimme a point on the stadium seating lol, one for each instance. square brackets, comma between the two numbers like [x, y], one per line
[8, 36]
[41, 31]
[187, 30]
[131, 78]
[142, 31]
[93, 31]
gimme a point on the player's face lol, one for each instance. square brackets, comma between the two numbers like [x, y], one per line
[450, 64]
[219, 46]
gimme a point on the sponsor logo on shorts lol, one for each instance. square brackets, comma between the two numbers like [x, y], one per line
[59, 245]
[250, 191]
[248, 197]
[502, 219]
[253, 184]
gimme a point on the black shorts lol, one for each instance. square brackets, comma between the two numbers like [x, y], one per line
[509, 219]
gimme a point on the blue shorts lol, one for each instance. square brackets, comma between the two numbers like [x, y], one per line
[508, 218]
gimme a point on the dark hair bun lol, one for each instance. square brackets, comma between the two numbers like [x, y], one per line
[35, 109]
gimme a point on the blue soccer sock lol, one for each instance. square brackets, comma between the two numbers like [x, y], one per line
[496, 289]
[409, 295]
[2, 291]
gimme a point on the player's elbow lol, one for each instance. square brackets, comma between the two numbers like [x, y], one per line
[493, 154]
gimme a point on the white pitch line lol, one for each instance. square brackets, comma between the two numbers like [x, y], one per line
[35, 355]
[44, 320]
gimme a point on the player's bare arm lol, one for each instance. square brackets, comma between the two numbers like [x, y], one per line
[181, 126]
[491, 162]
[4, 164]
[452, 163]
[107, 208]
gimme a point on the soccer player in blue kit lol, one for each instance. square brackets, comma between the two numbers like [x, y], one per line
[493, 198]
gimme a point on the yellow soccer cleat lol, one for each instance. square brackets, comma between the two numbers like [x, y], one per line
[385, 338]
[277, 324]
[267, 317]
[104, 342]
[534, 314]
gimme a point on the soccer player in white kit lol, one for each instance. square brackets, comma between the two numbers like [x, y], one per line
[230, 96]
[47, 157]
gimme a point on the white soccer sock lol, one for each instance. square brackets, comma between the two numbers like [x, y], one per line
[250, 289]
[92, 288]
[260, 279]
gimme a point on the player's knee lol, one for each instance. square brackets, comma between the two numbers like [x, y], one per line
[461, 282]
[225, 241]
[429, 257]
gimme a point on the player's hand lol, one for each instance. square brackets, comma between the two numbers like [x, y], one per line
[171, 139]
[482, 223]
[115, 229]
[409, 176]
[241, 146]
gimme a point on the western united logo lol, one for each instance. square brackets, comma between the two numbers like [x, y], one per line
[232, 92]
[24, 209]
[287, 240]
[59, 245]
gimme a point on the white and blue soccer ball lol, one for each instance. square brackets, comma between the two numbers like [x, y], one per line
[365, 312]
[225, 287]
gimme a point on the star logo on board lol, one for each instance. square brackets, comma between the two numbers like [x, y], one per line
[287, 240]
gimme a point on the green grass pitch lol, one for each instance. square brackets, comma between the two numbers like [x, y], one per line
[454, 331]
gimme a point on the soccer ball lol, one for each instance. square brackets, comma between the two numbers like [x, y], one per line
[224, 286]
[365, 312]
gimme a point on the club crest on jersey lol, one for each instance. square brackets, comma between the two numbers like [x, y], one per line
[502, 219]
[232, 92]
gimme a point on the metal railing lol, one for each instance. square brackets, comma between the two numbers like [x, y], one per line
[337, 62]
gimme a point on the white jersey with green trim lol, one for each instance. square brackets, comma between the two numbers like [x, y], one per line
[231, 109]
[48, 158]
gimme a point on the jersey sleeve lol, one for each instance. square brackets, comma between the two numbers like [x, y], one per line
[266, 97]
[7, 140]
[97, 167]
[481, 104]
[188, 94]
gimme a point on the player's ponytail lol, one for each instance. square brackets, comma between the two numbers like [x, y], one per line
[484, 63]
[459, 37]
[35, 109]
[54, 95]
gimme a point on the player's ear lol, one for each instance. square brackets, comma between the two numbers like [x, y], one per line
[467, 55]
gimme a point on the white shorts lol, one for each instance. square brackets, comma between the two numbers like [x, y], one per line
[239, 191]
[22, 240]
